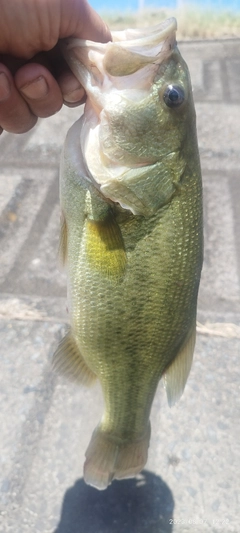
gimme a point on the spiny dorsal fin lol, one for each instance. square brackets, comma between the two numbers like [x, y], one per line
[175, 377]
[67, 360]
[105, 247]
[62, 249]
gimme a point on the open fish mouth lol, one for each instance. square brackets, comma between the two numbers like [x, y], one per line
[118, 76]
[131, 50]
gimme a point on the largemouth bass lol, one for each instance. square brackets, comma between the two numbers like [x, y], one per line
[131, 237]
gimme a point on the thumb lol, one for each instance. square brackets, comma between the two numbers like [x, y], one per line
[80, 20]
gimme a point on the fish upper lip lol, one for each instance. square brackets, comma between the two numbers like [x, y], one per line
[145, 37]
[87, 59]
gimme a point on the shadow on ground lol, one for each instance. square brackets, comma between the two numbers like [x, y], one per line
[142, 505]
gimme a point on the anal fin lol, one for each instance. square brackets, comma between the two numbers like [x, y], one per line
[67, 360]
[176, 375]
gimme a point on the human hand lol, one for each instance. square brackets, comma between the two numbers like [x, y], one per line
[34, 78]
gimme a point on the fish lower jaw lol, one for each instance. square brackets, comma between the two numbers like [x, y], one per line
[109, 458]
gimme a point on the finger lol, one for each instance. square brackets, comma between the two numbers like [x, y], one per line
[72, 91]
[93, 27]
[15, 115]
[39, 89]
[79, 19]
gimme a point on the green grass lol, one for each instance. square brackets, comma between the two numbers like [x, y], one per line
[193, 23]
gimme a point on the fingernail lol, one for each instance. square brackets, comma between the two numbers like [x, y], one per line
[4, 86]
[36, 89]
[75, 96]
[75, 104]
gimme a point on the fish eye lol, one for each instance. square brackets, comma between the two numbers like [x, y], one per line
[173, 96]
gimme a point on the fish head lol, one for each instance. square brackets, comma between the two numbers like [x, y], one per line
[139, 118]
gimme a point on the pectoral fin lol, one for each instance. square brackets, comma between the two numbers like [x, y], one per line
[176, 375]
[105, 247]
[62, 249]
[67, 360]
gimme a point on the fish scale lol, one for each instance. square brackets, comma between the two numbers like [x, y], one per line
[132, 243]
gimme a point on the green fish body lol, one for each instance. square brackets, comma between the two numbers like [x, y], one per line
[131, 237]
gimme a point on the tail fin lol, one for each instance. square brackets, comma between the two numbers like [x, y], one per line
[108, 458]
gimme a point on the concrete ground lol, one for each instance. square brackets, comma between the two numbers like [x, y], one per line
[191, 481]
